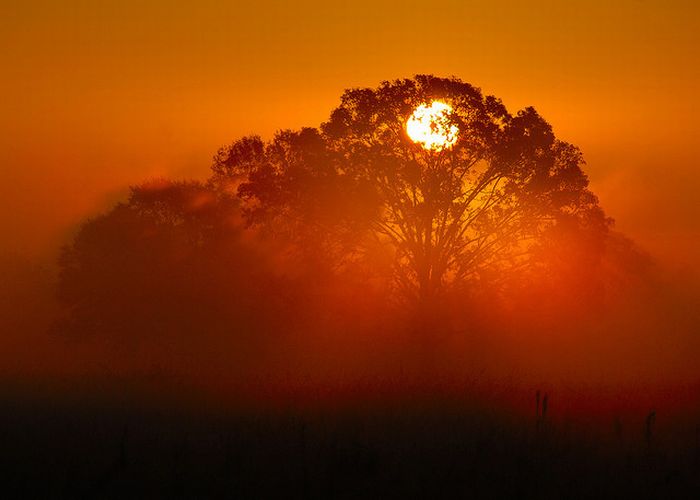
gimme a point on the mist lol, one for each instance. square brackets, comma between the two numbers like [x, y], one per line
[227, 269]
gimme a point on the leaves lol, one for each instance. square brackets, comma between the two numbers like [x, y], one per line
[478, 209]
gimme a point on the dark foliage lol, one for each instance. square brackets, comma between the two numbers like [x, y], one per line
[172, 267]
[483, 213]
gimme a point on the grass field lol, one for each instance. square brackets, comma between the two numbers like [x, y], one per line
[87, 448]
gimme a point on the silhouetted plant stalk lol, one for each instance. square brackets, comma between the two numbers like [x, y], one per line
[304, 466]
[116, 468]
[649, 428]
[541, 412]
[618, 429]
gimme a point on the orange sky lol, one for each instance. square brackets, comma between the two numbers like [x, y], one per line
[97, 95]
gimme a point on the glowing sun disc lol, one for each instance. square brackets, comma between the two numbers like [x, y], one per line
[430, 126]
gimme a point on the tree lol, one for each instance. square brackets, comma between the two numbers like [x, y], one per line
[169, 265]
[170, 279]
[479, 212]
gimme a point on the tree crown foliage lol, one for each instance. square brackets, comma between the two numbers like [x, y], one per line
[483, 212]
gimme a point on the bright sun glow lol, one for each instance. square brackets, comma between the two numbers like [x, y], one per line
[430, 126]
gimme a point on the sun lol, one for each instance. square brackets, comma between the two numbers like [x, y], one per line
[431, 127]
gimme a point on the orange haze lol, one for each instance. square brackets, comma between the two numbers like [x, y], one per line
[99, 95]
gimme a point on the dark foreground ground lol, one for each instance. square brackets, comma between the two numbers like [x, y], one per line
[96, 450]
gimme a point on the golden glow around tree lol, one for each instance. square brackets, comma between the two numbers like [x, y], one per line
[430, 126]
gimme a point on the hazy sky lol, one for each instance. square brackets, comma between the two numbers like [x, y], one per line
[97, 95]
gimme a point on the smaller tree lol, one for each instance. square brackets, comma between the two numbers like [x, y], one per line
[169, 265]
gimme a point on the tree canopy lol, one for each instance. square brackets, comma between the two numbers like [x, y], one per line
[490, 208]
[172, 261]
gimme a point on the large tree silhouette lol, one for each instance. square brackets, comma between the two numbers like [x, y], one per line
[482, 211]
